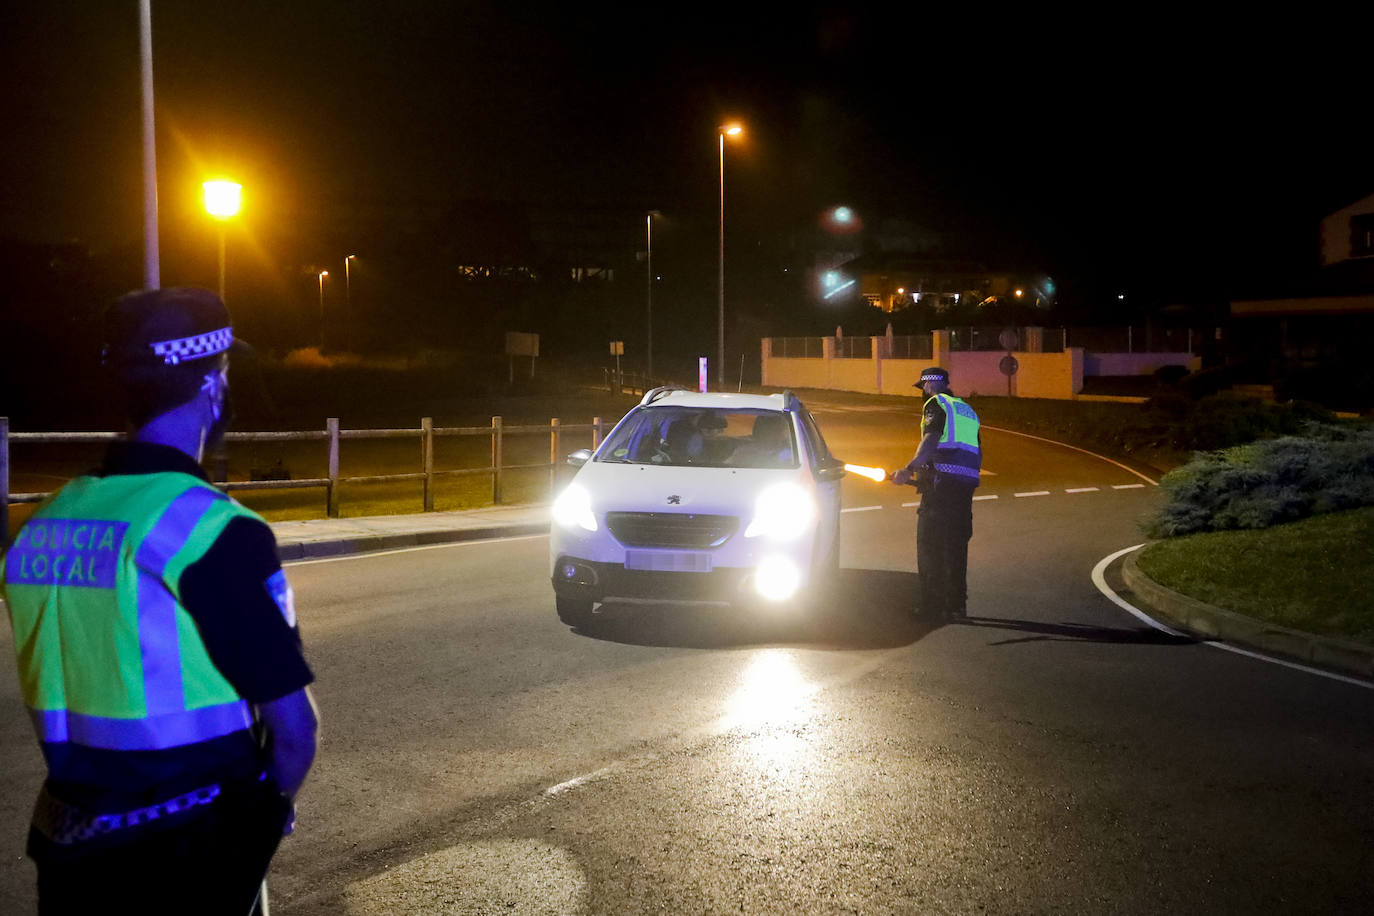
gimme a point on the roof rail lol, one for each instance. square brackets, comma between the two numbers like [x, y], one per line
[653, 394]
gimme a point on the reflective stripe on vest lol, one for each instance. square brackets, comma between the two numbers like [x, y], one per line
[108, 657]
[958, 452]
[153, 733]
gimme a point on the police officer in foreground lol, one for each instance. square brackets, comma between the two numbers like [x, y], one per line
[157, 647]
[946, 468]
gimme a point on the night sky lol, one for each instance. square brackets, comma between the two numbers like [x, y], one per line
[1143, 145]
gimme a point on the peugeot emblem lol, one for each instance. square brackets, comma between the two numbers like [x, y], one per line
[674, 500]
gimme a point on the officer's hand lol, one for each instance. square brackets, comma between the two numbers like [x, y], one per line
[901, 476]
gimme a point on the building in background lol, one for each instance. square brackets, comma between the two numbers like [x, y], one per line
[1317, 344]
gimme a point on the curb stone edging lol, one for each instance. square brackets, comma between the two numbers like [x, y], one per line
[1210, 622]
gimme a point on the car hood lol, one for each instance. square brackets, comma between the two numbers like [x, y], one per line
[652, 488]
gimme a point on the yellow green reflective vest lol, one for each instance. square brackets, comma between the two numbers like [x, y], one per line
[108, 656]
[959, 452]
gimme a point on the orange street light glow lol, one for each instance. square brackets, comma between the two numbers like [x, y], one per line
[223, 198]
[733, 130]
[877, 475]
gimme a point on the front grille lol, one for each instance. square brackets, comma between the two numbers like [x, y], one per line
[671, 529]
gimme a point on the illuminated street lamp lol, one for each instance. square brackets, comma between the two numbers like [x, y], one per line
[731, 130]
[222, 201]
[323, 274]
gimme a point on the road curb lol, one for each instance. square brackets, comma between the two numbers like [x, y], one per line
[348, 546]
[1209, 622]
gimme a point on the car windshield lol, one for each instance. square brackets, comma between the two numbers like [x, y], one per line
[678, 436]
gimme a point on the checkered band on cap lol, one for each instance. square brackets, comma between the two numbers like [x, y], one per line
[934, 375]
[201, 345]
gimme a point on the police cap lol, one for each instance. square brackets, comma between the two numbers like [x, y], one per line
[166, 328]
[933, 374]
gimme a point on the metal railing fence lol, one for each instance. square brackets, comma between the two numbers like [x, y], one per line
[798, 347]
[919, 346]
[333, 435]
[854, 348]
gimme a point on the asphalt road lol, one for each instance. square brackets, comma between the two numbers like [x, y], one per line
[1053, 754]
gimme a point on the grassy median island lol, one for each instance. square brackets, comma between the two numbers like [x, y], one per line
[1312, 575]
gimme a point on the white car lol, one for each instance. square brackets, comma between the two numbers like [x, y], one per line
[699, 497]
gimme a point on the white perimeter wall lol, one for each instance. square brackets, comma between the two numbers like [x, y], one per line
[1039, 375]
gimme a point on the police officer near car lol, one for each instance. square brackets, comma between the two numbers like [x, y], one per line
[157, 647]
[945, 471]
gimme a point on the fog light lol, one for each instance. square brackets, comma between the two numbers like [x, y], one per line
[777, 578]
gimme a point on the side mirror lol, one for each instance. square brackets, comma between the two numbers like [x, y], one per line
[580, 457]
[831, 470]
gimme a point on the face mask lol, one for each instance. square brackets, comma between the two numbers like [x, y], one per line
[216, 387]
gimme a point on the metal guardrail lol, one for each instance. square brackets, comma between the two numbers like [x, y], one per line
[333, 435]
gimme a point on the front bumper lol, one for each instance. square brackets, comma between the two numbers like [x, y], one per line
[590, 580]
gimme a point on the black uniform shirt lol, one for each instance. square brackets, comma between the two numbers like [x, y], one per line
[933, 419]
[247, 636]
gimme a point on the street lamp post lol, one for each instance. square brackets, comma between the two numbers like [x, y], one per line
[323, 274]
[222, 202]
[732, 130]
[348, 300]
[649, 294]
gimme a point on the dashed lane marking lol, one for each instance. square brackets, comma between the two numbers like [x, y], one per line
[861, 509]
[918, 502]
[1128, 486]
[1088, 489]
[989, 496]
[1033, 493]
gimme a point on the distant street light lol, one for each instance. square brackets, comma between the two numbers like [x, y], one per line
[222, 202]
[348, 301]
[323, 274]
[732, 130]
[649, 293]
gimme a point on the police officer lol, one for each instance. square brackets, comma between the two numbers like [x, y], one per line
[157, 646]
[946, 468]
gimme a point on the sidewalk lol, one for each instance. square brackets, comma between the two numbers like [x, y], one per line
[1213, 623]
[332, 537]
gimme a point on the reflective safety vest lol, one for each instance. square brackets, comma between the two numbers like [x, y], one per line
[958, 453]
[108, 656]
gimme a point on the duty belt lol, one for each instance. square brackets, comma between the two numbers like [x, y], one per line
[66, 824]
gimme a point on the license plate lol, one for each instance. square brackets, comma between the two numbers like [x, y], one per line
[668, 561]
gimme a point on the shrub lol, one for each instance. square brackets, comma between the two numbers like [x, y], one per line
[1267, 482]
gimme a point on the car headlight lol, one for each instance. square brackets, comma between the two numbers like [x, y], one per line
[783, 512]
[573, 509]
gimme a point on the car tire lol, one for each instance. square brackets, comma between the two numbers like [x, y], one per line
[575, 612]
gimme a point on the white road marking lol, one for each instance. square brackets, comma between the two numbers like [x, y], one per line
[1034, 493]
[861, 509]
[1100, 580]
[1076, 449]
[911, 505]
[1087, 489]
[1128, 486]
[578, 781]
[387, 553]
[989, 496]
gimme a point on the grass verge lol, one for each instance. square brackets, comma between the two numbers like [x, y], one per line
[1311, 575]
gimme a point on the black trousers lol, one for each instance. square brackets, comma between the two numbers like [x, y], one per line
[944, 525]
[212, 862]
